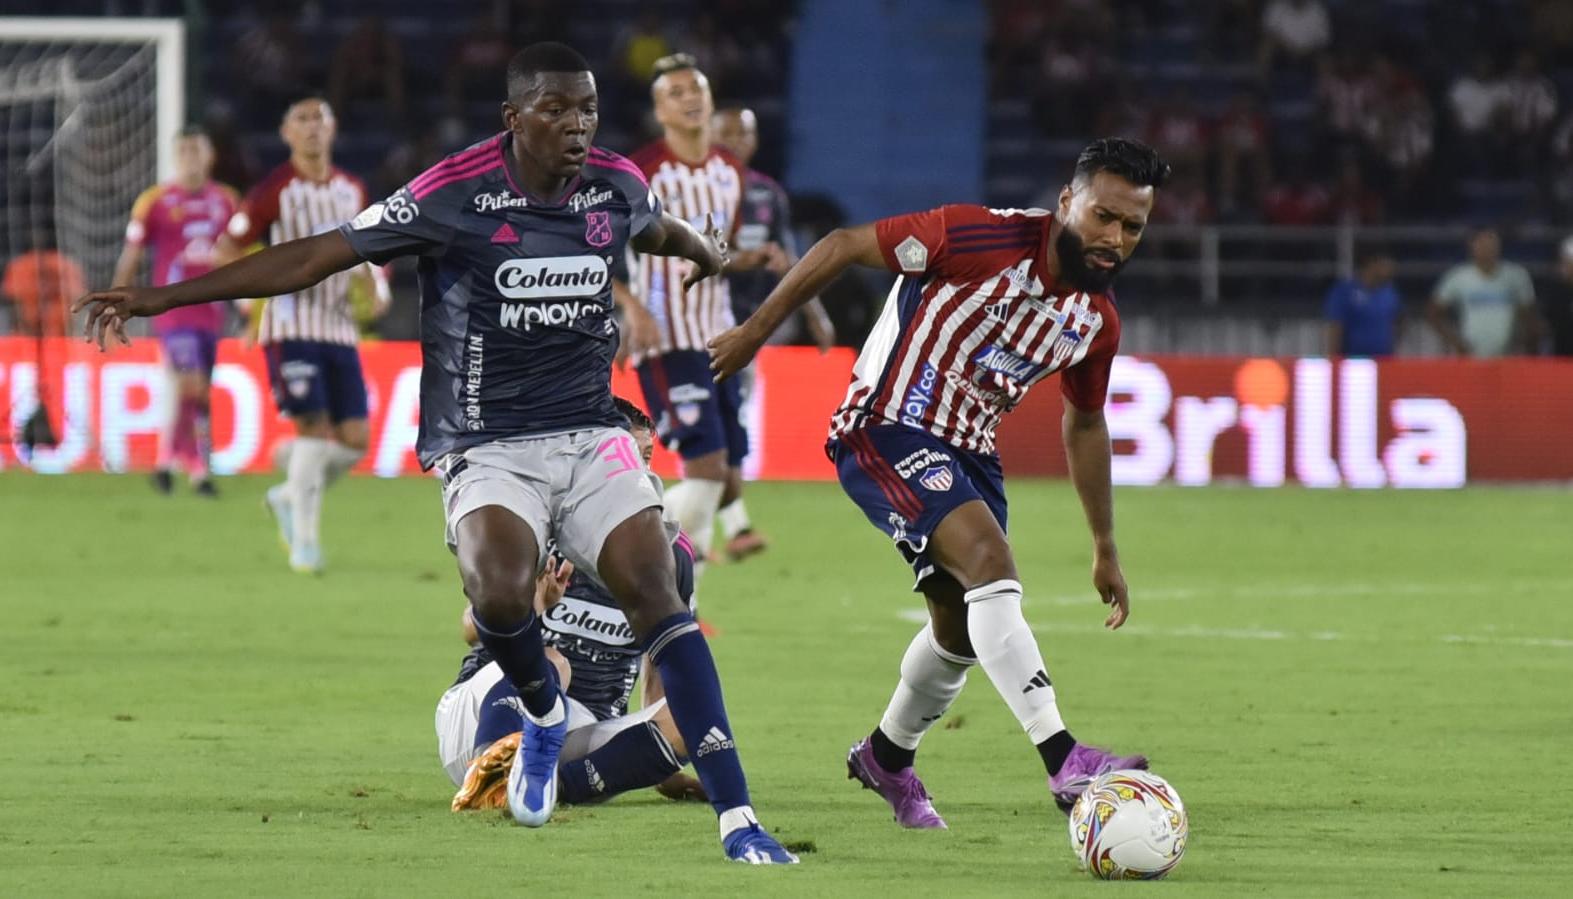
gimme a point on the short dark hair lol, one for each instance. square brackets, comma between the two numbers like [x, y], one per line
[1130, 159]
[544, 56]
[637, 419]
[193, 131]
[1369, 253]
[304, 97]
[674, 62]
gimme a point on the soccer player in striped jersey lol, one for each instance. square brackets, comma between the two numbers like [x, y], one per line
[764, 223]
[517, 237]
[988, 302]
[180, 222]
[309, 336]
[699, 181]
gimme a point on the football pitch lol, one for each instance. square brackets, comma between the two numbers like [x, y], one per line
[1356, 694]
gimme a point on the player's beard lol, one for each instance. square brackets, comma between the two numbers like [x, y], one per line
[1074, 269]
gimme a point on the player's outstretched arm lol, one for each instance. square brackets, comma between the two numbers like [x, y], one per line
[824, 262]
[283, 268]
[671, 236]
[1087, 452]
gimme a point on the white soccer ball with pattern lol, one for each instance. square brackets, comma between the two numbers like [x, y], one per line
[1129, 825]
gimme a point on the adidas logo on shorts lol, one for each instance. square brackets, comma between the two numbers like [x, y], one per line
[597, 785]
[714, 741]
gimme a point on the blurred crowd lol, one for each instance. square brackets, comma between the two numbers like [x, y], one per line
[1304, 112]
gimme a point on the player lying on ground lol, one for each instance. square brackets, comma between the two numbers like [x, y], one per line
[989, 302]
[608, 751]
[515, 237]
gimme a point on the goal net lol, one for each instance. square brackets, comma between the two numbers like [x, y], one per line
[88, 109]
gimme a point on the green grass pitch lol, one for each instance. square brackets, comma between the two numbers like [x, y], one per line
[1356, 694]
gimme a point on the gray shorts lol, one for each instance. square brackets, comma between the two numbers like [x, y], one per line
[572, 488]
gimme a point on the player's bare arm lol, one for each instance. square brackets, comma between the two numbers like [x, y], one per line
[641, 334]
[127, 265]
[282, 268]
[1087, 451]
[823, 263]
[671, 236]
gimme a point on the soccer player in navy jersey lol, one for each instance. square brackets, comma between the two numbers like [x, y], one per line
[989, 302]
[516, 237]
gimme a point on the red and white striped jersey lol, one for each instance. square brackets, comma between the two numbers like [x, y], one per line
[714, 188]
[287, 205]
[971, 324]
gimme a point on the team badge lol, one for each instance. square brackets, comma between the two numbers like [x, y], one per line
[913, 255]
[937, 479]
[688, 413]
[598, 228]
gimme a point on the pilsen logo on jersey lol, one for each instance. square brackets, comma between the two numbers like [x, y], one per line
[498, 201]
[583, 619]
[585, 199]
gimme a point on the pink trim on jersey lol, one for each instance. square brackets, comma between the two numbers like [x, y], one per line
[450, 177]
[605, 160]
[684, 545]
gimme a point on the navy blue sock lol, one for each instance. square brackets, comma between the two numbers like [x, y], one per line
[693, 693]
[521, 655]
[638, 757]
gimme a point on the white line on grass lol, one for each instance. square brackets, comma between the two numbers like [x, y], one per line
[919, 616]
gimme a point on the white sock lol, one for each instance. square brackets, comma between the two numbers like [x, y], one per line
[557, 714]
[694, 503]
[931, 679]
[736, 818]
[308, 467]
[1009, 655]
[734, 519]
[281, 454]
[341, 459]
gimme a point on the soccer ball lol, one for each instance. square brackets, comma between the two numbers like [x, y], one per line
[1128, 825]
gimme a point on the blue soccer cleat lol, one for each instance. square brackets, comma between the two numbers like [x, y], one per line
[752, 845]
[532, 781]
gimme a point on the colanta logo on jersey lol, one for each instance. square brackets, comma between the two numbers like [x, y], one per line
[553, 277]
[583, 619]
[992, 358]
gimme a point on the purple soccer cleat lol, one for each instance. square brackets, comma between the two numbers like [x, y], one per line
[902, 789]
[1081, 766]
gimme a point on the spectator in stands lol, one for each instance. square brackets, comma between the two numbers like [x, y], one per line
[1559, 174]
[1297, 199]
[39, 285]
[1401, 135]
[1293, 31]
[1364, 314]
[1242, 136]
[270, 60]
[1494, 302]
[1478, 101]
[641, 45]
[1345, 95]
[718, 53]
[1185, 200]
[1530, 109]
[1556, 302]
[369, 63]
[1178, 131]
[480, 54]
[1063, 100]
[1353, 202]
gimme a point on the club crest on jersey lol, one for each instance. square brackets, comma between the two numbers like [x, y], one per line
[937, 479]
[585, 199]
[992, 358]
[597, 228]
[913, 255]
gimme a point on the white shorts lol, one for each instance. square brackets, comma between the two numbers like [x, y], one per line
[574, 487]
[459, 716]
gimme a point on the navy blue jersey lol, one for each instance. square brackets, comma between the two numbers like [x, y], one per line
[517, 332]
[763, 216]
[591, 632]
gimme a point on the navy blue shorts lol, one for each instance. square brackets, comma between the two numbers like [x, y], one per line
[190, 350]
[906, 481]
[309, 377]
[694, 416]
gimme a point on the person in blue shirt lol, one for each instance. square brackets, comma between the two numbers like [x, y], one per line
[1364, 314]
